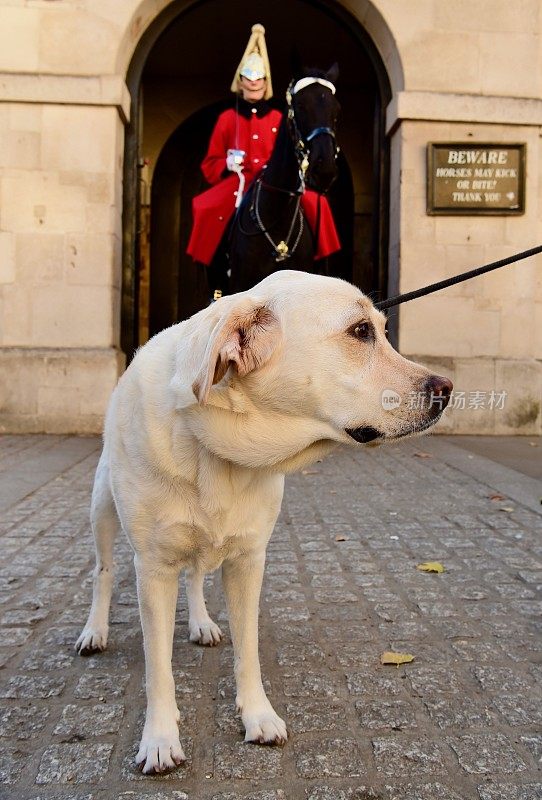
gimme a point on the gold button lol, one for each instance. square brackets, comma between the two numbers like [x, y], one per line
[256, 160]
[274, 130]
[255, 136]
[254, 110]
[221, 218]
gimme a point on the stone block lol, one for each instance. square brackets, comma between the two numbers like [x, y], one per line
[77, 41]
[408, 758]
[19, 149]
[481, 753]
[19, 39]
[40, 258]
[337, 758]
[241, 760]
[24, 117]
[78, 138]
[506, 63]
[441, 61]
[74, 763]
[7, 257]
[83, 315]
[522, 381]
[32, 201]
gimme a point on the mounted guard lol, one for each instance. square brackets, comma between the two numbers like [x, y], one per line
[240, 147]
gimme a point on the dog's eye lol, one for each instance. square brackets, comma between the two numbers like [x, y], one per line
[362, 330]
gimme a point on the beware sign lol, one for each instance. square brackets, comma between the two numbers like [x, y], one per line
[475, 178]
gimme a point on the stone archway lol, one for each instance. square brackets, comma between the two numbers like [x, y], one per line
[150, 61]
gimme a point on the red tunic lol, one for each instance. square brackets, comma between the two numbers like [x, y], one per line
[213, 209]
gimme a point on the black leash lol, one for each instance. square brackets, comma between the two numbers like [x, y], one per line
[434, 287]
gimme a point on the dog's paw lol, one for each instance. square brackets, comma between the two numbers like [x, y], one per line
[91, 640]
[159, 753]
[204, 632]
[265, 727]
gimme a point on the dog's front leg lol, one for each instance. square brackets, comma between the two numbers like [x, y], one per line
[160, 748]
[201, 627]
[242, 579]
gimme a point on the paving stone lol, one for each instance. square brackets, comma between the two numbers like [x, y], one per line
[271, 794]
[426, 791]
[310, 685]
[12, 762]
[300, 653]
[247, 761]
[379, 714]
[486, 753]
[519, 710]
[337, 758]
[500, 679]
[408, 758]
[22, 687]
[510, 791]
[79, 722]
[334, 793]
[305, 716]
[74, 763]
[22, 722]
[15, 636]
[464, 712]
[102, 686]
[154, 795]
[370, 684]
[534, 743]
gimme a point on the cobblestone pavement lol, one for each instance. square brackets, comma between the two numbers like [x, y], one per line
[462, 721]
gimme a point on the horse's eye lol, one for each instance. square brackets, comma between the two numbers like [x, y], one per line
[362, 330]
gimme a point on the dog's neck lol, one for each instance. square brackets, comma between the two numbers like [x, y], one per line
[257, 440]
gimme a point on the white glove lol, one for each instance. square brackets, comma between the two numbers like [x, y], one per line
[232, 163]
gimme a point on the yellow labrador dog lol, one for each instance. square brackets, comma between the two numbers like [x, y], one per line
[201, 430]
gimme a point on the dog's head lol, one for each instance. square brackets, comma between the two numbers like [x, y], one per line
[315, 349]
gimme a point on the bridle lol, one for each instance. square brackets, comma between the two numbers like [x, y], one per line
[285, 248]
[301, 144]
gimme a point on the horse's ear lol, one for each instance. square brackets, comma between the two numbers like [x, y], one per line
[246, 337]
[333, 73]
[298, 70]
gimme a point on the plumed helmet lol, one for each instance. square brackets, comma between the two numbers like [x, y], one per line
[255, 62]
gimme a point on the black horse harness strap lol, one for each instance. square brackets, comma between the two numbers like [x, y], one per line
[465, 276]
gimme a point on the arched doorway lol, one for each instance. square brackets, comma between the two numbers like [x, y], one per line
[178, 99]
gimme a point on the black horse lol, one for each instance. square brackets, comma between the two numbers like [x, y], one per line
[269, 231]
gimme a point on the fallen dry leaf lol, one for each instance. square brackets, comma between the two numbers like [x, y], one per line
[341, 539]
[431, 566]
[497, 497]
[533, 444]
[508, 509]
[421, 454]
[309, 472]
[389, 657]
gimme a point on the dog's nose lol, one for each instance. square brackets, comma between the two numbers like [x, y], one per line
[439, 390]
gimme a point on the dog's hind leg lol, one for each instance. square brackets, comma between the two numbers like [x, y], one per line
[202, 629]
[105, 525]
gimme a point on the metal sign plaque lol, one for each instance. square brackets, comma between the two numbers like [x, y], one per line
[473, 178]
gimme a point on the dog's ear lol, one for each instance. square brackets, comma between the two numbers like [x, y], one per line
[246, 337]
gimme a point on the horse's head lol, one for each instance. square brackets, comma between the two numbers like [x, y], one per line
[313, 110]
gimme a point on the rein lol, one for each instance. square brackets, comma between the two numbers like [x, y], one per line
[465, 276]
